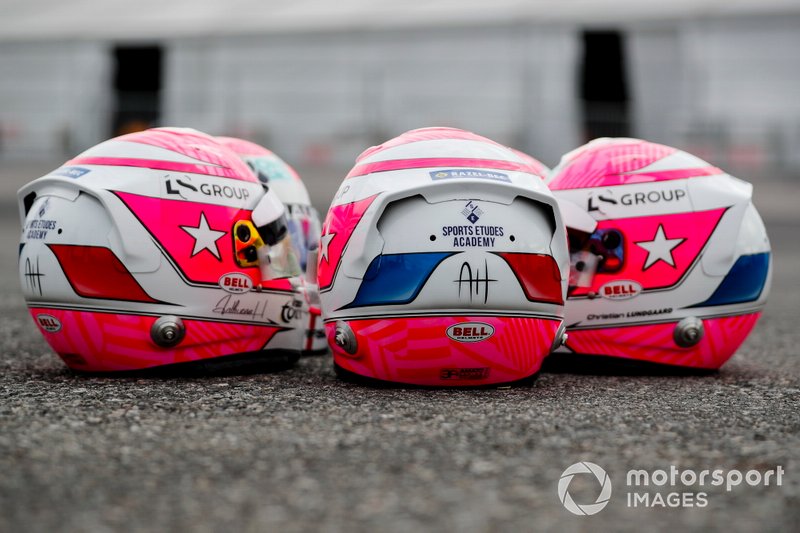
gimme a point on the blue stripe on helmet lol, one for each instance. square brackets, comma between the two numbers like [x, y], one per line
[743, 283]
[394, 279]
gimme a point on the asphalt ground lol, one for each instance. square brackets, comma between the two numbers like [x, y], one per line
[299, 450]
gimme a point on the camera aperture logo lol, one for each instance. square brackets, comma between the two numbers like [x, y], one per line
[665, 488]
[586, 509]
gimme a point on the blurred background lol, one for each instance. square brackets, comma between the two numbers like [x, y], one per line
[319, 81]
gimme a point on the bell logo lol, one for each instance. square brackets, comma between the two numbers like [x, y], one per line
[235, 282]
[470, 331]
[49, 323]
[623, 289]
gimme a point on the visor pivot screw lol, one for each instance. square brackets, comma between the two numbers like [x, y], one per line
[688, 332]
[345, 338]
[167, 331]
[243, 233]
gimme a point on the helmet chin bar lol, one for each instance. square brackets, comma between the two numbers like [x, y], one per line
[601, 252]
[582, 268]
[265, 241]
[592, 249]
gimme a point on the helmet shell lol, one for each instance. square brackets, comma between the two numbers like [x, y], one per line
[660, 241]
[442, 262]
[138, 228]
[534, 165]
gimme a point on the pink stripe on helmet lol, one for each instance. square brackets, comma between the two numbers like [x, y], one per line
[538, 167]
[418, 350]
[666, 175]
[426, 134]
[603, 164]
[654, 342]
[214, 159]
[175, 166]
[103, 342]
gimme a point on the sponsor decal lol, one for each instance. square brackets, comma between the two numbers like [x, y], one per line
[464, 373]
[623, 289]
[71, 172]
[470, 331]
[469, 173]
[235, 282]
[38, 229]
[472, 211]
[343, 189]
[190, 189]
[44, 207]
[471, 284]
[597, 199]
[291, 310]
[474, 236]
[49, 323]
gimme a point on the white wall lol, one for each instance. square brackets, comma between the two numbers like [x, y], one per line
[54, 97]
[726, 88]
[657, 72]
[326, 97]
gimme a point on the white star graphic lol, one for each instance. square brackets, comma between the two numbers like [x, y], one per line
[660, 248]
[204, 237]
[324, 242]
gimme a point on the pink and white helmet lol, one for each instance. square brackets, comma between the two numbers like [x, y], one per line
[273, 171]
[536, 167]
[156, 248]
[443, 262]
[670, 259]
[301, 217]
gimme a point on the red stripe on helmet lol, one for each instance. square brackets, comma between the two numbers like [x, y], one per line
[538, 274]
[95, 272]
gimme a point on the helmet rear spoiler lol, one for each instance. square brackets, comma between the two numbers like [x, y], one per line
[575, 217]
[126, 229]
[365, 245]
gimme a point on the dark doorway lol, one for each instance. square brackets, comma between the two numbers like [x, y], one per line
[137, 88]
[604, 87]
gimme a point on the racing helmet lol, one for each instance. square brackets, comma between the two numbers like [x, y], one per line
[536, 167]
[670, 261]
[443, 262]
[302, 219]
[156, 248]
[273, 171]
